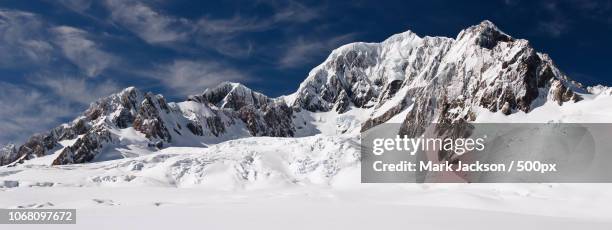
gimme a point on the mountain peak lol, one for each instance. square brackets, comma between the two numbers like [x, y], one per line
[231, 95]
[228, 87]
[129, 89]
[486, 34]
[126, 92]
[483, 27]
[488, 24]
[406, 35]
[229, 83]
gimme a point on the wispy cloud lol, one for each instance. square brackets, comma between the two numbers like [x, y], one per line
[553, 28]
[223, 35]
[294, 12]
[187, 77]
[285, 12]
[46, 54]
[227, 36]
[231, 26]
[595, 9]
[557, 25]
[26, 40]
[148, 23]
[24, 111]
[45, 103]
[81, 51]
[74, 89]
[78, 6]
[305, 51]
[21, 39]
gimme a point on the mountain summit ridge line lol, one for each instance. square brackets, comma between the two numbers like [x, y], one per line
[433, 79]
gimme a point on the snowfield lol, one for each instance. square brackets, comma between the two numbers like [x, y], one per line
[290, 183]
[230, 187]
[310, 182]
[458, 206]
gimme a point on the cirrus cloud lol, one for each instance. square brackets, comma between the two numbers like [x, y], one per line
[147, 23]
[21, 39]
[81, 51]
[187, 77]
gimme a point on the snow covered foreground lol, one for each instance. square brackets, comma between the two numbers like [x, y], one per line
[285, 183]
[499, 206]
[296, 183]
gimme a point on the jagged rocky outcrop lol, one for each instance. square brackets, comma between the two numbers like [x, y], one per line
[7, 153]
[148, 119]
[262, 115]
[85, 148]
[433, 79]
[230, 95]
[441, 78]
[88, 131]
[202, 117]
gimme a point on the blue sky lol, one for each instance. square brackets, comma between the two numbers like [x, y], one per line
[57, 56]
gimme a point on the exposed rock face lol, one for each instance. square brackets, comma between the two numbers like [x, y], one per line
[444, 77]
[273, 119]
[263, 116]
[232, 96]
[7, 153]
[85, 148]
[560, 93]
[209, 115]
[343, 103]
[89, 131]
[148, 120]
[432, 79]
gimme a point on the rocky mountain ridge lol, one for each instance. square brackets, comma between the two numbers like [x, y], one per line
[439, 77]
[435, 79]
[208, 116]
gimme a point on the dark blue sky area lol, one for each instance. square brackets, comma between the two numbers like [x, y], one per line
[56, 56]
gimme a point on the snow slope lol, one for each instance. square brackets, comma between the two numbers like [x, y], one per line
[280, 183]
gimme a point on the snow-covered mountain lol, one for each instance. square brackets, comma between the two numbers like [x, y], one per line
[405, 79]
[437, 78]
[134, 119]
